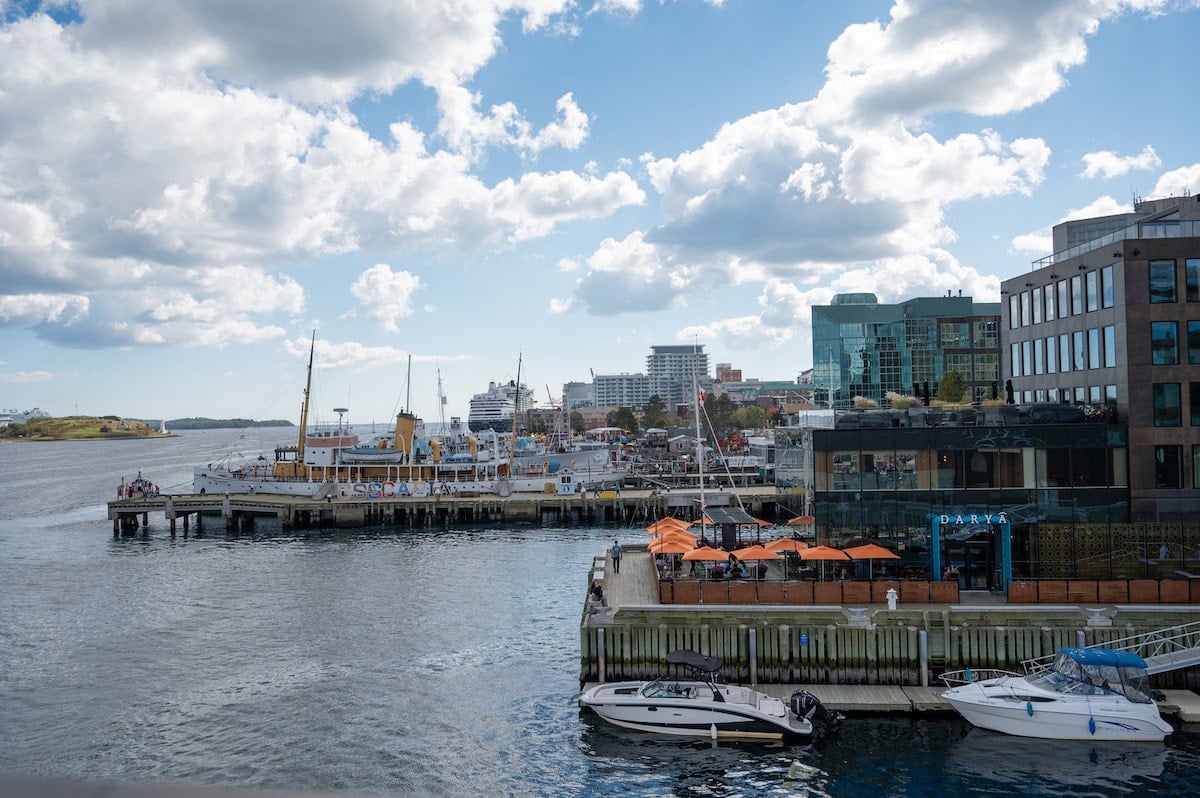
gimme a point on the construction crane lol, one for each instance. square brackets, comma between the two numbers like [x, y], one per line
[554, 404]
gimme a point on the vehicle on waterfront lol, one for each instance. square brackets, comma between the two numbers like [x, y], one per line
[495, 408]
[702, 705]
[333, 462]
[1086, 694]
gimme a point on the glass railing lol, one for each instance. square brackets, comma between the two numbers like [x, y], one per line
[1171, 229]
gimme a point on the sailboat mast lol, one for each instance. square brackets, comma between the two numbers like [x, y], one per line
[699, 440]
[304, 408]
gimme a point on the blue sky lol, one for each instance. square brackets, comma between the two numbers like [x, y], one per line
[445, 190]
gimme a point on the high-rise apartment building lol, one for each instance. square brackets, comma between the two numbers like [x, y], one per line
[672, 369]
[864, 348]
[622, 390]
[1113, 321]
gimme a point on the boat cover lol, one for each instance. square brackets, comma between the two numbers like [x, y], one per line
[1105, 656]
[693, 660]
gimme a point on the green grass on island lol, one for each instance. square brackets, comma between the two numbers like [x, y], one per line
[68, 428]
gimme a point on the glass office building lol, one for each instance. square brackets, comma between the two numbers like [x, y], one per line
[862, 348]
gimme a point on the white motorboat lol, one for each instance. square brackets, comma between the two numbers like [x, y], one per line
[703, 706]
[1087, 694]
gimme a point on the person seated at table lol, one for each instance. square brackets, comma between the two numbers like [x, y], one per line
[718, 571]
[761, 568]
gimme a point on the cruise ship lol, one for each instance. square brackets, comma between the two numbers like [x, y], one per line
[494, 409]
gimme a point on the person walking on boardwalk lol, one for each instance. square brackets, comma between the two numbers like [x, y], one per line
[615, 551]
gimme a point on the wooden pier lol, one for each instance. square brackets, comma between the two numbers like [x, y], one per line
[238, 512]
[629, 635]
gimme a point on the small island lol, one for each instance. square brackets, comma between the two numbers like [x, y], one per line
[79, 428]
[70, 428]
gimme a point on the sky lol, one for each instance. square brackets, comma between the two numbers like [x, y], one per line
[454, 192]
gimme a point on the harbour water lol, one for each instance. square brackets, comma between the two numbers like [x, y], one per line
[390, 662]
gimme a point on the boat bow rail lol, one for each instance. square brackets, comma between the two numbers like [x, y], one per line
[1163, 649]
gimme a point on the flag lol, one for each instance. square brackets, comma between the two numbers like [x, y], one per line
[700, 396]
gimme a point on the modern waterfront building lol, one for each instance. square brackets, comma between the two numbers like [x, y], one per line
[671, 370]
[1111, 321]
[991, 493]
[862, 348]
[622, 390]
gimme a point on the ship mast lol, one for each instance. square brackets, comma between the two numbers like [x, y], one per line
[516, 409]
[304, 408]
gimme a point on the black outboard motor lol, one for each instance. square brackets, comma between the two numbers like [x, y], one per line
[806, 705]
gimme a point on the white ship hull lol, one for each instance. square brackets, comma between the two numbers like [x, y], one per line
[1098, 718]
[209, 480]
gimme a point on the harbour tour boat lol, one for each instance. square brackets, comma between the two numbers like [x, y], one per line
[1087, 694]
[703, 706]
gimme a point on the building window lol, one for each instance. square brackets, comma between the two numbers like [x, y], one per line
[1025, 313]
[1194, 403]
[1162, 281]
[1014, 312]
[1093, 291]
[1192, 279]
[1080, 361]
[956, 335]
[987, 335]
[987, 368]
[1193, 342]
[1064, 298]
[1107, 292]
[1110, 346]
[1038, 304]
[1168, 471]
[1094, 394]
[1196, 466]
[1080, 394]
[1027, 358]
[1064, 352]
[1094, 352]
[1110, 398]
[1015, 357]
[1051, 355]
[1049, 303]
[1167, 409]
[1076, 295]
[1164, 343]
[1039, 356]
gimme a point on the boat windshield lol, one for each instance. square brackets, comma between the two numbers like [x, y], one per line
[663, 689]
[1072, 676]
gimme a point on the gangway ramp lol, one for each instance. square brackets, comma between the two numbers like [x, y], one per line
[1164, 649]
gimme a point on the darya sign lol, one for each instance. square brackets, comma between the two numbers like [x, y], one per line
[968, 520]
[996, 518]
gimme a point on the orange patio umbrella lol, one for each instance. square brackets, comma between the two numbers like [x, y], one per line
[672, 546]
[667, 523]
[823, 553]
[675, 534]
[756, 553]
[802, 520]
[786, 544]
[707, 554]
[872, 552]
